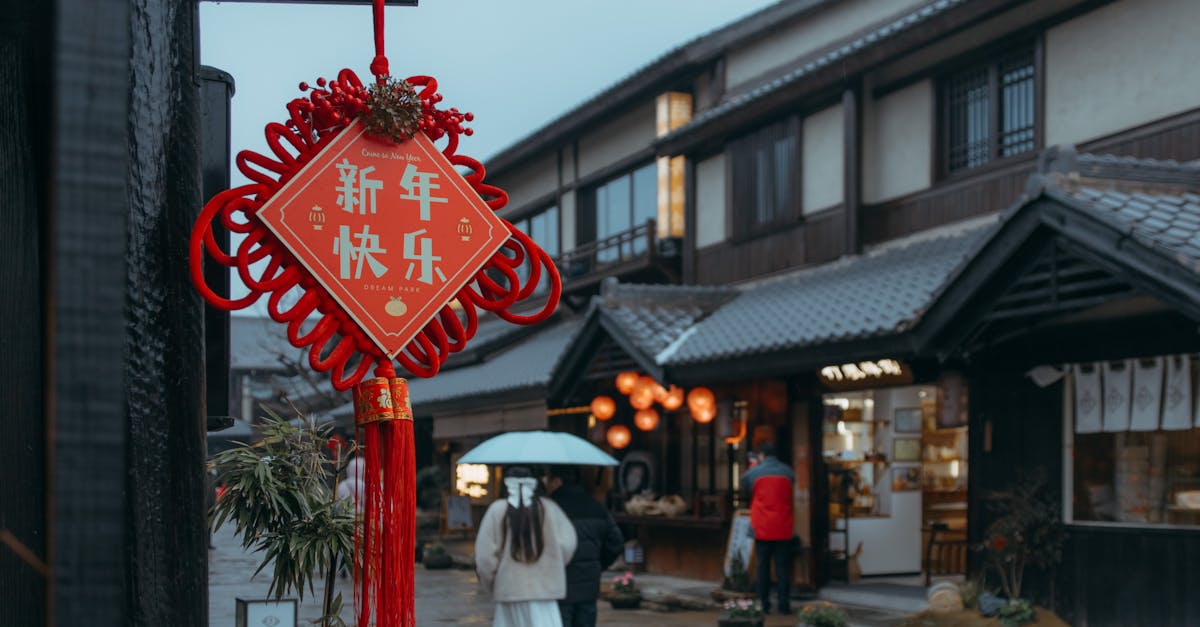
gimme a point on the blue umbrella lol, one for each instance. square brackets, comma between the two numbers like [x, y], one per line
[538, 447]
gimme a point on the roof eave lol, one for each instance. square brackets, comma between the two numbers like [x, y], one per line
[792, 361]
[688, 58]
[843, 70]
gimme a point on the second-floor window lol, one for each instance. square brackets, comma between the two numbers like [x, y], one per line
[622, 204]
[766, 176]
[989, 111]
[542, 228]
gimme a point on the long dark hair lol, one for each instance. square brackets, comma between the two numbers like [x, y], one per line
[525, 523]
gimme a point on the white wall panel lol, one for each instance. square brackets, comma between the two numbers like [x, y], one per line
[1122, 65]
[898, 143]
[823, 161]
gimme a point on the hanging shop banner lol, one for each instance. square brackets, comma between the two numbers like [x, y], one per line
[1118, 383]
[1087, 398]
[1146, 405]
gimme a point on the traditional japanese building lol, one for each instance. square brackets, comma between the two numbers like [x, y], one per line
[861, 225]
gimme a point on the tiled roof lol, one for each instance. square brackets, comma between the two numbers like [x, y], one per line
[888, 31]
[256, 343]
[528, 363]
[1155, 201]
[876, 294]
[1168, 222]
[654, 316]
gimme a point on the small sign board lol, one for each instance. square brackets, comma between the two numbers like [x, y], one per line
[741, 541]
[458, 513]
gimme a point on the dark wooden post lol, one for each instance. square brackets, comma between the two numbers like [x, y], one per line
[24, 104]
[852, 166]
[126, 343]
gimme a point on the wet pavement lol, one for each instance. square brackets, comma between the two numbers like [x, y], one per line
[444, 597]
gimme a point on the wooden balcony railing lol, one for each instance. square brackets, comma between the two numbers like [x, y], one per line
[613, 255]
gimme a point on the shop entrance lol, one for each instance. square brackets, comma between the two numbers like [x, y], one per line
[896, 460]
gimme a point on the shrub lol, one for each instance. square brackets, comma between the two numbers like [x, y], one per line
[823, 614]
[742, 608]
[624, 584]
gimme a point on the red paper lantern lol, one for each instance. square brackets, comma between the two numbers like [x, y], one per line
[618, 436]
[660, 393]
[700, 398]
[642, 396]
[646, 419]
[674, 398]
[641, 401]
[704, 415]
[626, 381]
[603, 407]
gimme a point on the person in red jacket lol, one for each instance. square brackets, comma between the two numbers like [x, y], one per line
[771, 483]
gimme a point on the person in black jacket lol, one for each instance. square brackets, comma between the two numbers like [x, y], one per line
[600, 543]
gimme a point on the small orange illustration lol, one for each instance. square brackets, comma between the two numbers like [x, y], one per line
[464, 229]
[316, 217]
[396, 307]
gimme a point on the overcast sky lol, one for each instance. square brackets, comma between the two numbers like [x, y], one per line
[516, 64]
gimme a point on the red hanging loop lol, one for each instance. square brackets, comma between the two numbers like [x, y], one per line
[379, 65]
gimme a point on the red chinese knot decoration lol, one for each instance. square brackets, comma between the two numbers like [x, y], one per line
[361, 222]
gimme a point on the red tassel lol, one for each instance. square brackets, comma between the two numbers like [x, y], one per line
[401, 486]
[385, 544]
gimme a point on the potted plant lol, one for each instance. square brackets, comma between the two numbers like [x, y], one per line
[741, 613]
[280, 494]
[737, 584]
[1028, 532]
[625, 594]
[823, 614]
[436, 557]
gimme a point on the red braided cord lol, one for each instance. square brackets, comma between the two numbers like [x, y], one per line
[379, 65]
[314, 320]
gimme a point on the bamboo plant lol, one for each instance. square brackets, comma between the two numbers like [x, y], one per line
[280, 493]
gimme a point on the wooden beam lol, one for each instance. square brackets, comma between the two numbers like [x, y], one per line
[852, 167]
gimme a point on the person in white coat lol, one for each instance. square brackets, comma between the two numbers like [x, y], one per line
[521, 553]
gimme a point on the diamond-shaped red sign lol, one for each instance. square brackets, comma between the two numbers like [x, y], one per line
[391, 231]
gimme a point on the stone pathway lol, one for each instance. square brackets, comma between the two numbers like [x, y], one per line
[443, 596]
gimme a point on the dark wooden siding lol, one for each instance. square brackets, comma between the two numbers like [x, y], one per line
[1176, 137]
[996, 188]
[23, 32]
[816, 240]
[1109, 576]
[1118, 577]
[957, 199]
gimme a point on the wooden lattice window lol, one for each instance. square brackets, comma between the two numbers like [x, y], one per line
[766, 176]
[990, 111]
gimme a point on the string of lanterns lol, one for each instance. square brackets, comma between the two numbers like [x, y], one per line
[643, 392]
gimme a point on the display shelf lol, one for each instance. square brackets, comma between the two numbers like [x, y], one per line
[946, 460]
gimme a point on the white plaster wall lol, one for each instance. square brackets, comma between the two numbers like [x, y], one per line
[890, 545]
[898, 143]
[618, 139]
[710, 201]
[1124, 64]
[822, 160]
[566, 220]
[529, 183]
[809, 34]
[568, 163]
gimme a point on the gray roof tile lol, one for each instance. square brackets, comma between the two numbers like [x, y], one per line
[893, 29]
[876, 294]
[526, 364]
[1170, 224]
[259, 343]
